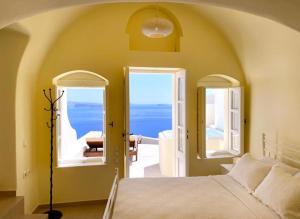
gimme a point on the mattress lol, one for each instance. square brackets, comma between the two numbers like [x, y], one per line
[213, 197]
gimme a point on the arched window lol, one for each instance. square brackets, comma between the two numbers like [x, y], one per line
[220, 117]
[81, 126]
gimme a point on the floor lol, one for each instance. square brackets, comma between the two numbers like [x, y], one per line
[83, 211]
[147, 164]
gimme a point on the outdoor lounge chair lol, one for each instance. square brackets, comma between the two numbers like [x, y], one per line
[134, 142]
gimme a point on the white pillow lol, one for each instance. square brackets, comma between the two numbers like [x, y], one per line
[287, 168]
[280, 190]
[249, 172]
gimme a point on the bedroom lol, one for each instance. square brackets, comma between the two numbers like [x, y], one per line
[259, 52]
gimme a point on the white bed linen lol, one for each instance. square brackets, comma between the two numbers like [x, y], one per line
[213, 197]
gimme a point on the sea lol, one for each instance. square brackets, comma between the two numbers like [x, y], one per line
[145, 119]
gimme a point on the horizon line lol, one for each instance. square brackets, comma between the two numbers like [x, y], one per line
[130, 103]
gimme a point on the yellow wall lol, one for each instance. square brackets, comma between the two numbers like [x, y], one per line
[12, 45]
[42, 31]
[97, 42]
[269, 54]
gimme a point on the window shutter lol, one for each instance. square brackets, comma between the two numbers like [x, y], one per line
[58, 121]
[201, 131]
[236, 127]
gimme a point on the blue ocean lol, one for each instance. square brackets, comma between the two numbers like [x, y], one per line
[145, 119]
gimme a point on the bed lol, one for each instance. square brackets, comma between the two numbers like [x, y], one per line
[219, 197]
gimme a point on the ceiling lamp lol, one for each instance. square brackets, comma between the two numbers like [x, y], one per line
[157, 27]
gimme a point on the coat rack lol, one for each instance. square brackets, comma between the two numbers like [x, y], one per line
[52, 214]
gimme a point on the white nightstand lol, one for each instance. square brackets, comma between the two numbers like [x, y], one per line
[225, 168]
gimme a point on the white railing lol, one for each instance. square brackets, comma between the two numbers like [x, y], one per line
[112, 197]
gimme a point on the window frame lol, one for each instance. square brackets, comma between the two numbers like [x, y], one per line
[201, 118]
[81, 79]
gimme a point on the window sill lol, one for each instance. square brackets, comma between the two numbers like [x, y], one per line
[81, 162]
[218, 155]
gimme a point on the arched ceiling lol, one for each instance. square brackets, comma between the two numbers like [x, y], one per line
[283, 11]
[253, 37]
[43, 30]
[264, 47]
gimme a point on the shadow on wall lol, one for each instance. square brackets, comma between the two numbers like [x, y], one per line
[12, 47]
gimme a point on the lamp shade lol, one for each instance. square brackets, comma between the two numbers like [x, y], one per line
[157, 27]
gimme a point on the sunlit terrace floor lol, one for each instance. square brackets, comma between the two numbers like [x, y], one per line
[147, 164]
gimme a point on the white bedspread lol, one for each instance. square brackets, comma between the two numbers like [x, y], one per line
[213, 197]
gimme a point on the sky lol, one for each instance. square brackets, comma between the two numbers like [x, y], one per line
[85, 95]
[144, 89]
[150, 88]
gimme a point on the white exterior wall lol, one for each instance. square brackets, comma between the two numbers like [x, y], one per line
[219, 109]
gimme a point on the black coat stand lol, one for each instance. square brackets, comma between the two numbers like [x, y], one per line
[52, 214]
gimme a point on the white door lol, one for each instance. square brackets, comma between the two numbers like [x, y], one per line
[180, 123]
[236, 121]
[126, 133]
[104, 124]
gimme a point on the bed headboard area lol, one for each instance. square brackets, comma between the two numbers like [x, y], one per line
[284, 151]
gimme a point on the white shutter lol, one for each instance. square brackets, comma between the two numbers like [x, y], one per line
[180, 123]
[126, 133]
[236, 121]
[201, 127]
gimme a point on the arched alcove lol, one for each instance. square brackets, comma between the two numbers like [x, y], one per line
[138, 41]
[106, 52]
[218, 80]
[80, 78]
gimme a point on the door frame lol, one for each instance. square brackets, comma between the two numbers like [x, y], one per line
[126, 133]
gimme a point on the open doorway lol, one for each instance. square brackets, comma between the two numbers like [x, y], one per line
[155, 122]
[151, 98]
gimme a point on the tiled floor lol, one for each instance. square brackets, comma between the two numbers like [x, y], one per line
[147, 164]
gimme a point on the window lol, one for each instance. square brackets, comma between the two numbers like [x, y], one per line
[81, 126]
[216, 120]
[220, 113]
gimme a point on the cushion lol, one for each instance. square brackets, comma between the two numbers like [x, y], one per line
[287, 168]
[280, 190]
[250, 172]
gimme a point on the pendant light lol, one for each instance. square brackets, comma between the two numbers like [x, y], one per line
[157, 27]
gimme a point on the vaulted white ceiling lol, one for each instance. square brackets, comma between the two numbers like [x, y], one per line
[255, 39]
[283, 11]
